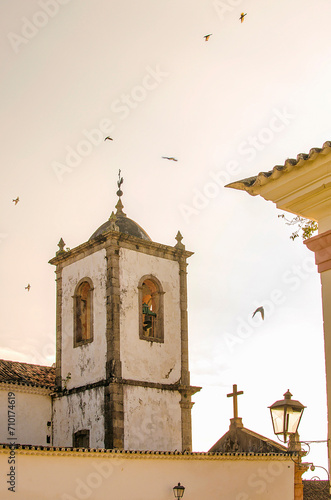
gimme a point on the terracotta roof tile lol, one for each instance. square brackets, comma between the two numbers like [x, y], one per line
[315, 489]
[27, 374]
[244, 440]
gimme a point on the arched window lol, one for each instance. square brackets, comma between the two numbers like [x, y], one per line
[151, 309]
[83, 313]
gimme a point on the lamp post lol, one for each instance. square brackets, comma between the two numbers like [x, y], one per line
[179, 491]
[286, 415]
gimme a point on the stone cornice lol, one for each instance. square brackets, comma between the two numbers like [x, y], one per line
[186, 389]
[119, 240]
[321, 245]
[129, 454]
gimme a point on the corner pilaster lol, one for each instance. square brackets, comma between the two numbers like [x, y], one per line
[299, 469]
[114, 413]
[58, 374]
[321, 246]
[185, 374]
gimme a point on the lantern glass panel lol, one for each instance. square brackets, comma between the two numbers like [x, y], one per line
[277, 415]
[293, 418]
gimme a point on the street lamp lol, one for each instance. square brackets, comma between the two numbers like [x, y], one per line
[286, 415]
[179, 491]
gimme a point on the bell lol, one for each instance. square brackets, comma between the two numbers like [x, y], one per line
[148, 317]
[147, 325]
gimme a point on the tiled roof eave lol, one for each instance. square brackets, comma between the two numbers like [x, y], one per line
[252, 184]
[26, 387]
[27, 374]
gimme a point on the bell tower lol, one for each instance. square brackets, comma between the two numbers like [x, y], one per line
[122, 341]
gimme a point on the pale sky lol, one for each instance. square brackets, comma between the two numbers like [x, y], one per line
[254, 94]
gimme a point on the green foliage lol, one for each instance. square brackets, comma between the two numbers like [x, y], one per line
[307, 226]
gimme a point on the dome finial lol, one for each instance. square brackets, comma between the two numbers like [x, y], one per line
[119, 183]
[119, 204]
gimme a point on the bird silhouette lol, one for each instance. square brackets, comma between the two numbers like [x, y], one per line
[109, 138]
[169, 158]
[242, 15]
[16, 200]
[28, 287]
[260, 310]
[206, 37]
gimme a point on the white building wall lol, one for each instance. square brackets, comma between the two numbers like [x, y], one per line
[152, 419]
[86, 363]
[29, 416]
[143, 360]
[82, 410]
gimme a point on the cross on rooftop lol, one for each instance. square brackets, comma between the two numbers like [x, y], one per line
[234, 394]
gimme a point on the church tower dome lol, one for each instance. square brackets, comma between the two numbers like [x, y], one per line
[123, 223]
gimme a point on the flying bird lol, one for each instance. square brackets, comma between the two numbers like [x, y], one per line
[169, 158]
[16, 200]
[206, 37]
[109, 138]
[260, 310]
[242, 15]
[28, 287]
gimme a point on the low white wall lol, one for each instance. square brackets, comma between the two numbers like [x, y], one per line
[28, 417]
[67, 475]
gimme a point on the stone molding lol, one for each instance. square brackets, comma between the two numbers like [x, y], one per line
[133, 454]
[183, 389]
[78, 343]
[321, 246]
[119, 240]
[82, 388]
[28, 389]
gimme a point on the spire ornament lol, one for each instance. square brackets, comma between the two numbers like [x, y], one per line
[179, 238]
[119, 205]
[119, 183]
[61, 246]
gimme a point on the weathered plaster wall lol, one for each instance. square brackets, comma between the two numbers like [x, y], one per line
[94, 476]
[86, 363]
[32, 411]
[82, 410]
[151, 419]
[143, 360]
